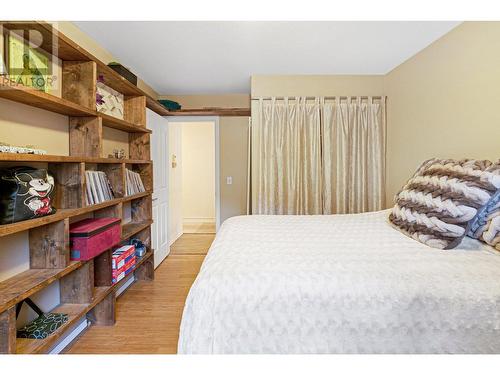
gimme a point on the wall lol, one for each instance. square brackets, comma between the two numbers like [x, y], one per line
[233, 133]
[316, 85]
[443, 102]
[198, 172]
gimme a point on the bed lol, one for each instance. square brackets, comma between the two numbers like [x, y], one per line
[340, 284]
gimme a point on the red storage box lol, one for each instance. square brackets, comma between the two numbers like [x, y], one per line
[124, 270]
[91, 237]
[121, 256]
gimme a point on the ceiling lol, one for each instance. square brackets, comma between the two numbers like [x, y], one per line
[194, 57]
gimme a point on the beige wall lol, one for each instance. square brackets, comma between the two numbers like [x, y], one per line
[316, 85]
[21, 124]
[444, 102]
[198, 172]
[233, 135]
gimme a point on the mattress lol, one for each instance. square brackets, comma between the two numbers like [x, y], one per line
[340, 284]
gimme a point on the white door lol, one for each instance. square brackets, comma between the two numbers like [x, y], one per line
[159, 155]
[175, 179]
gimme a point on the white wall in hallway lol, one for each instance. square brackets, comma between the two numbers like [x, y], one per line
[198, 172]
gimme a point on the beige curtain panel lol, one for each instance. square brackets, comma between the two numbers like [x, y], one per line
[317, 156]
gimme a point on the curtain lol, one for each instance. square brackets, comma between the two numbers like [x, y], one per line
[353, 158]
[289, 157]
[317, 156]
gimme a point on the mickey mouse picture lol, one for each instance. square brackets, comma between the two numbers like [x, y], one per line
[25, 193]
[38, 194]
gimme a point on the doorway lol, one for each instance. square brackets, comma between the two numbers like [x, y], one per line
[193, 176]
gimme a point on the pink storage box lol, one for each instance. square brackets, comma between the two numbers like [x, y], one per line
[91, 237]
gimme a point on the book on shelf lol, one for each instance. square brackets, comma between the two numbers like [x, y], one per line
[98, 187]
[133, 182]
[88, 196]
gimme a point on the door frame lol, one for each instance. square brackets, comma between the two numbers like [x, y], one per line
[161, 128]
[215, 120]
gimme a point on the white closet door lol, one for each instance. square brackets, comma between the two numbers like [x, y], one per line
[159, 155]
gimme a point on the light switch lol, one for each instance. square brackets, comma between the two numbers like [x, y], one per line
[229, 180]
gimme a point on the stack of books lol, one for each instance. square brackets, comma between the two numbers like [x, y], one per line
[98, 187]
[133, 182]
[122, 262]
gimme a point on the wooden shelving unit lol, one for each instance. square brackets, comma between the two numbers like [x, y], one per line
[86, 288]
[93, 310]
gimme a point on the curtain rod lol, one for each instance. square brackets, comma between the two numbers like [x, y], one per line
[314, 97]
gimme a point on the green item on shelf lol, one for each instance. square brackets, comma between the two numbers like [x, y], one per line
[43, 326]
[170, 104]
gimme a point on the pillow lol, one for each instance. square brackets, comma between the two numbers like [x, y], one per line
[438, 204]
[25, 193]
[486, 226]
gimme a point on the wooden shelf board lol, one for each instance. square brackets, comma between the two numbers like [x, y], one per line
[136, 196]
[142, 259]
[129, 229]
[95, 207]
[154, 105]
[160, 109]
[211, 112]
[42, 100]
[27, 283]
[116, 123]
[11, 157]
[75, 312]
[62, 214]
[116, 81]
[20, 226]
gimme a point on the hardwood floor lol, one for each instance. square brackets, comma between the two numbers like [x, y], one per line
[199, 228]
[149, 314]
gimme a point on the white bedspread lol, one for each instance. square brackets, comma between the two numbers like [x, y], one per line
[340, 284]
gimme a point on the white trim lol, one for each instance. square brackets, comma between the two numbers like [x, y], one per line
[217, 175]
[70, 337]
[201, 220]
[172, 240]
[215, 120]
[125, 286]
